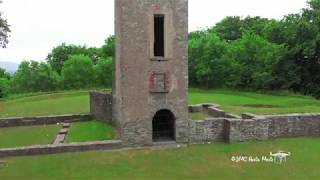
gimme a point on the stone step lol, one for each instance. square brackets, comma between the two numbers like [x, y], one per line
[63, 131]
[66, 125]
[59, 139]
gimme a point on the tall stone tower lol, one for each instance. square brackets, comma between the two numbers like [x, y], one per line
[151, 71]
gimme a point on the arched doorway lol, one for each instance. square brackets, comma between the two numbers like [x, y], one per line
[163, 126]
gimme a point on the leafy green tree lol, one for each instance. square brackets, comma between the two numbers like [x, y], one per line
[4, 74]
[109, 47]
[33, 76]
[205, 60]
[78, 72]
[255, 60]
[103, 71]
[4, 87]
[230, 28]
[61, 53]
[4, 31]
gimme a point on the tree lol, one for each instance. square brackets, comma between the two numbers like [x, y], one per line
[109, 47]
[103, 71]
[4, 74]
[230, 28]
[4, 87]
[205, 60]
[60, 54]
[4, 31]
[255, 60]
[78, 72]
[33, 76]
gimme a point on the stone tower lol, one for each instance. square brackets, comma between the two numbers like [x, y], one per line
[151, 71]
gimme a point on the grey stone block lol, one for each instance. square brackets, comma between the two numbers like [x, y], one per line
[101, 106]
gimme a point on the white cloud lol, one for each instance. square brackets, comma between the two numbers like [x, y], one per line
[39, 25]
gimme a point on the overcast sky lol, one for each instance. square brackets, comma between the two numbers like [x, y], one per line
[39, 25]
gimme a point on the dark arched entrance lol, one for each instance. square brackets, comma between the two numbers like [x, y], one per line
[163, 126]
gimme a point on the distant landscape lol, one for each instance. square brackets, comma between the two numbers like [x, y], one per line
[254, 54]
[239, 65]
[10, 67]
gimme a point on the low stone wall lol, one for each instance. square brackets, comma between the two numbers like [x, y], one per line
[42, 120]
[61, 148]
[101, 106]
[209, 130]
[274, 126]
[253, 127]
[293, 125]
[239, 130]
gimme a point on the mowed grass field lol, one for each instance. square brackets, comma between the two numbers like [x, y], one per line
[231, 101]
[90, 131]
[193, 162]
[26, 136]
[46, 104]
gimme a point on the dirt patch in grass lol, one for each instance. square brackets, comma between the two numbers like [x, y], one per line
[261, 106]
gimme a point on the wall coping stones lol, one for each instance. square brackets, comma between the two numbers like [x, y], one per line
[248, 116]
[61, 148]
[43, 120]
[232, 116]
[292, 115]
[216, 112]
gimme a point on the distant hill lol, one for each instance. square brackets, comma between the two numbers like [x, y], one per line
[10, 67]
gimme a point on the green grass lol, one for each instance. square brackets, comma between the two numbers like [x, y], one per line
[239, 102]
[198, 116]
[231, 101]
[194, 162]
[47, 104]
[25, 136]
[90, 131]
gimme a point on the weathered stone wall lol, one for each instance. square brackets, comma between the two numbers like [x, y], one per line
[246, 129]
[256, 128]
[42, 120]
[209, 130]
[101, 106]
[135, 101]
[294, 125]
[275, 126]
[60, 148]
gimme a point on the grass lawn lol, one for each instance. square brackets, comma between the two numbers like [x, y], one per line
[194, 162]
[25, 136]
[90, 131]
[239, 102]
[46, 104]
[231, 101]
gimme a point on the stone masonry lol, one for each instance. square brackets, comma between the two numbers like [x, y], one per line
[101, 106]
[145, 83]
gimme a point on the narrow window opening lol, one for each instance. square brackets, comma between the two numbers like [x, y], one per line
[159, 35]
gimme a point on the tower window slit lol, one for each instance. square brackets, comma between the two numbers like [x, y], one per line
[159, 35]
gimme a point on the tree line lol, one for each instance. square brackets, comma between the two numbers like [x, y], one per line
[66, 67]
[259, 54]
[251, 53]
